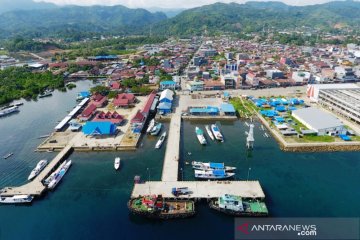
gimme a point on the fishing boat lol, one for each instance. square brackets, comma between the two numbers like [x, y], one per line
[39, 167]
[151, 126]
[117, 163]
[8, 155]
[208, 130]
[238, 206]
[44, 136]
[52, 175]
[155, 206]
[160, 141]
[16, 199]
[156, 129]
[47, 93]
[9, 110]
[211, 166]
[18, 104]
[216, 131]
[213, 174]
[200, 136]
[60, 174]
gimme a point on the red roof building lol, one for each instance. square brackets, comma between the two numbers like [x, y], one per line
[124, 100]
[138, 118]
[114, 118]
[88, 112]
[99, 100]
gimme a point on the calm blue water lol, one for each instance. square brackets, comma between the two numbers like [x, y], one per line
[90, 202]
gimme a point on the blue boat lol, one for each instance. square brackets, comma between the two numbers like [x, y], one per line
[211, 166]
[156, 130]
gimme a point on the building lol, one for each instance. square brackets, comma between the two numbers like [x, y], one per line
[314, 89]
[204, 111]
[99, 129]
[274, 74]
[345, 74]
[99, 100]
[166, 96]
[168, 85]
[124, 100]
[321, 122]
[229, 81]
[252, 79]
[164, 108]
[114, 118]
[227, 109]
[195, 85]
[301, 78]
[88, 112]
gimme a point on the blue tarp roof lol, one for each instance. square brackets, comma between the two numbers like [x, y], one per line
[216, 165]
[280, 108]
[99, 128]
[164, 105]
[106, 57]
[227, 107]
[208, 109]
[167, 83]
[219, 172]
[84, 94]
[345, 137]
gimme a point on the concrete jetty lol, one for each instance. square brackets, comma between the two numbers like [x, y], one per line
[35, 187]
[171, 160]
[201, 189]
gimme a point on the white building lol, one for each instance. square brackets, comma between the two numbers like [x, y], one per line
[321, 122]
[301, 77]
[314, 89]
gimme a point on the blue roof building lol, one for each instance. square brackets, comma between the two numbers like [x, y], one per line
[204, 110]
[164, 108]
[167, 85]
[228, 109]
[99, 128]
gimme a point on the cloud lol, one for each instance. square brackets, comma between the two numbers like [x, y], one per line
[165, 3]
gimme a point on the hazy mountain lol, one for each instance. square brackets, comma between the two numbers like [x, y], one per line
[170, 12]
[11, 5]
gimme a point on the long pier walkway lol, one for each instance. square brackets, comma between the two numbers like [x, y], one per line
[171, 160]
[201, 189]
[35, 187]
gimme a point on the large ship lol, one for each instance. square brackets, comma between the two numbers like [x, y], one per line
[200, 136]
[59, 175]
[9, 110]
[216, 131]
[160, 141]
[157, 207]
[39, 167]
[211, 166]
[16, 199]
[238, 206]
[213, 174]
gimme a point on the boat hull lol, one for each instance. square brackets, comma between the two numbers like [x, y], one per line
[230, 212]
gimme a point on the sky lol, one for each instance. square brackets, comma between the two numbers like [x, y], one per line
[167, 3]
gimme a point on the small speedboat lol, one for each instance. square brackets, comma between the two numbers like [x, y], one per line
[156, 129]
[208, 130]
[216, 131]
[151, 126]
[211, 166]
[8, 155]
[160, 141]
[117, 163]
[200, 136]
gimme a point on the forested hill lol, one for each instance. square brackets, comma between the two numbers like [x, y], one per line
[69, 20]
[254, 16]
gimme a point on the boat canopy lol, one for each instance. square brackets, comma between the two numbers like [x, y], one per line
[217, 165]
[219, 172]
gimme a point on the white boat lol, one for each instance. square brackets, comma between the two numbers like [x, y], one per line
[208, 130]
[213, 174]
[7, 111]
[52, 176]
[151, 126]
[60, 174]
[200, 136]
[160, 141]
[211, 166]
[156, 129]
[47, 93]
[117, 163]
[8, 155]
[216, 131]
[16, 199]
[39, 167]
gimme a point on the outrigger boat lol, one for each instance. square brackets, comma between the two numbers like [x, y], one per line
[237, 206]
[160, 141]
[208, 130]
[211, 166]
[200, 136]
[216, 131]
[213, 174]
[155, 206]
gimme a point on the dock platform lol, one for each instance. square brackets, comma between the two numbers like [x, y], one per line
[35, 187]
[171, 160]
[201, 189]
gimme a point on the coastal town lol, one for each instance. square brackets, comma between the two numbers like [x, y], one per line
[306, 98]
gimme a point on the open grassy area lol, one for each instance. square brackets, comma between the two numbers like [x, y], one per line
[4, 52]
[318, 139]
[241, 106]
[355, 138]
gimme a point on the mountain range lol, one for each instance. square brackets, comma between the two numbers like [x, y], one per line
[77, 21]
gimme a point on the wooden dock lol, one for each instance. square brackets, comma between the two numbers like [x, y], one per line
[171, 160]
[201, 189]
[35, 187]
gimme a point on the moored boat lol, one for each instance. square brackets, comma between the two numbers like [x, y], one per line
[161, 140]
[47, 93]
[213, 174]
[157, 207]
[216, 131]
[208, 130]
[211, 166]
[16, 199]
[39, 167]
[156, 129]
[117, 163]
[151, 126]
[200, 136]
[59, 175]
[52, 175]
[9, 110]
[238, 206]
